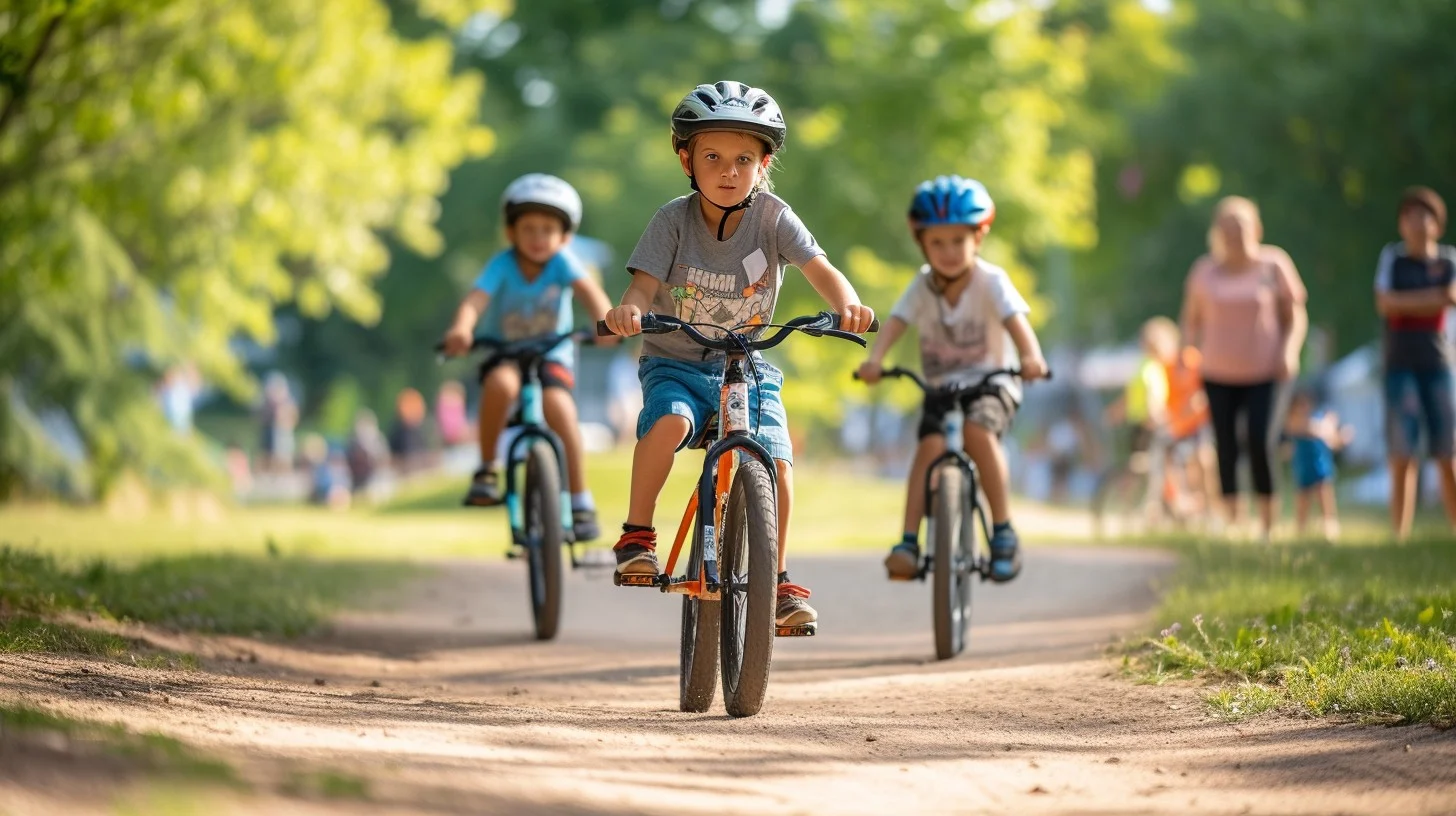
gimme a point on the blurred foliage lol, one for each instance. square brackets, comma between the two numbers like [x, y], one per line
[1321, 112]
[877, 95]
[195, 179]
[173, 170]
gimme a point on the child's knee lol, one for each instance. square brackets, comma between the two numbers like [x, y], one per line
[502, 380]
[669, 427]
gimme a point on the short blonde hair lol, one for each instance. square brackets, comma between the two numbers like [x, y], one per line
[1161, 331]
[765, 180]
[1239, 207]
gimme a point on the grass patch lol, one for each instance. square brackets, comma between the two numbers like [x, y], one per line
[1367, 630]
[149, 751]
[224, 594]
[326, 785]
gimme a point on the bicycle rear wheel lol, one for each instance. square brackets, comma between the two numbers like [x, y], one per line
[749, 568]
[544, 537]
[953, 558]
[698, 647]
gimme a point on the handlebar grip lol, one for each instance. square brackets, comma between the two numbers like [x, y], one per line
[874, 326]
[603, 331]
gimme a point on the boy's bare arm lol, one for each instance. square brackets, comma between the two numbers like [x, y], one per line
[1416, 302]
[626, 319]
[890, 332]
[1033, 364]
[459, 336]
[838, 292]
[590, 295]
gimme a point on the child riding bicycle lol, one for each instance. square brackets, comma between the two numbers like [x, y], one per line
[525, 291]
[716, 258]
[963, 308]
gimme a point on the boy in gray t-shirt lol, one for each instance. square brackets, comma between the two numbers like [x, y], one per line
[718, 257]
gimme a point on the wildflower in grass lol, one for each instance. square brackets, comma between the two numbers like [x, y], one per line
[1401, 662]
[1198, 619]
[1445, 613]
[1431, 664]
[1345, 655]
[1261, 641]
[1386, 643]
[1175, 628]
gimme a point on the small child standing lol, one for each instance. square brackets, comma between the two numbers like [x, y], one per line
[1316, 434]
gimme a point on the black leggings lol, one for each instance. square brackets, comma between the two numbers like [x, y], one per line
[1259, 404]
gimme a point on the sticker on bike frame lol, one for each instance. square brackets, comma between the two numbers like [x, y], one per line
[710, 549]
[735, 402]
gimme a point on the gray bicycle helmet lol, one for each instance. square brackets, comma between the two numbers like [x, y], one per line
[539, 192]
[728, 105]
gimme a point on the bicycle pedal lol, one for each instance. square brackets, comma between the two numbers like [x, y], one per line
[801, 630]
[634, 580]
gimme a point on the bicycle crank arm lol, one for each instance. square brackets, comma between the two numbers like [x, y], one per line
[802, 630]
[651, 581]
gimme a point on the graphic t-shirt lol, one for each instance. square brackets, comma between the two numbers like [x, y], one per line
[1416, 342]
[725, 283]
[960, 343]
[520, 309]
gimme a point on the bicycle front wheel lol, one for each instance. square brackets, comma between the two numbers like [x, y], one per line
[544, 537]
[749, 565]
[698, 655]
[953, 559]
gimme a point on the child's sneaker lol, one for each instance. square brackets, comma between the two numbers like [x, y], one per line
[903, 562]
[584, 525]
[1005, 553]
[484, 489]
[636, 552]
[793, 608]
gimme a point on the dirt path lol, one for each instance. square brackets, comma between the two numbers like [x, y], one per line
[470, 715]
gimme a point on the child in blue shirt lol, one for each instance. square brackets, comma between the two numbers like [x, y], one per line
[1316, 435]
[523, 292]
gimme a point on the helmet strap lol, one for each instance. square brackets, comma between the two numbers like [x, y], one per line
[727, 211]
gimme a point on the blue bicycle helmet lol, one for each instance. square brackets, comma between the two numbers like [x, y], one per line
[951, 200]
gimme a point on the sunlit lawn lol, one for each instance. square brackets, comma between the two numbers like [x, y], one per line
[836, 509]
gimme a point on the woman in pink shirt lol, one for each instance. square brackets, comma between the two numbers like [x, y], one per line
[1244, 310]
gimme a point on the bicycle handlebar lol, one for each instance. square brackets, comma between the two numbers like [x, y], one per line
[952, 388]
[824, 324]
[527, 346]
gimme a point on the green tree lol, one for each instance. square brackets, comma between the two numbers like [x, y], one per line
[878, 97]
[1321, 112]
[171, 171]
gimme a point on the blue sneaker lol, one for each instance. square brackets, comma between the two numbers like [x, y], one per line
[1005, 553]
[903, 562]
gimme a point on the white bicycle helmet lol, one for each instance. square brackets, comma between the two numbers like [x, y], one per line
[539, 192]
[728, 105]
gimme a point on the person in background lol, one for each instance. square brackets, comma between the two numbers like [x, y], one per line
[1188, 429]
[1316, 435]
[367, 451]
[278, 418]
[1143, 407]
[1244, 310]
[451, 416]
[1415, 283]
[1066, 444]
[178, 394]
[325, 487]
[409, 443]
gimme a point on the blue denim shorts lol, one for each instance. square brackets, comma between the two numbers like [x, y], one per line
[692, 390]
[1418, 402]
